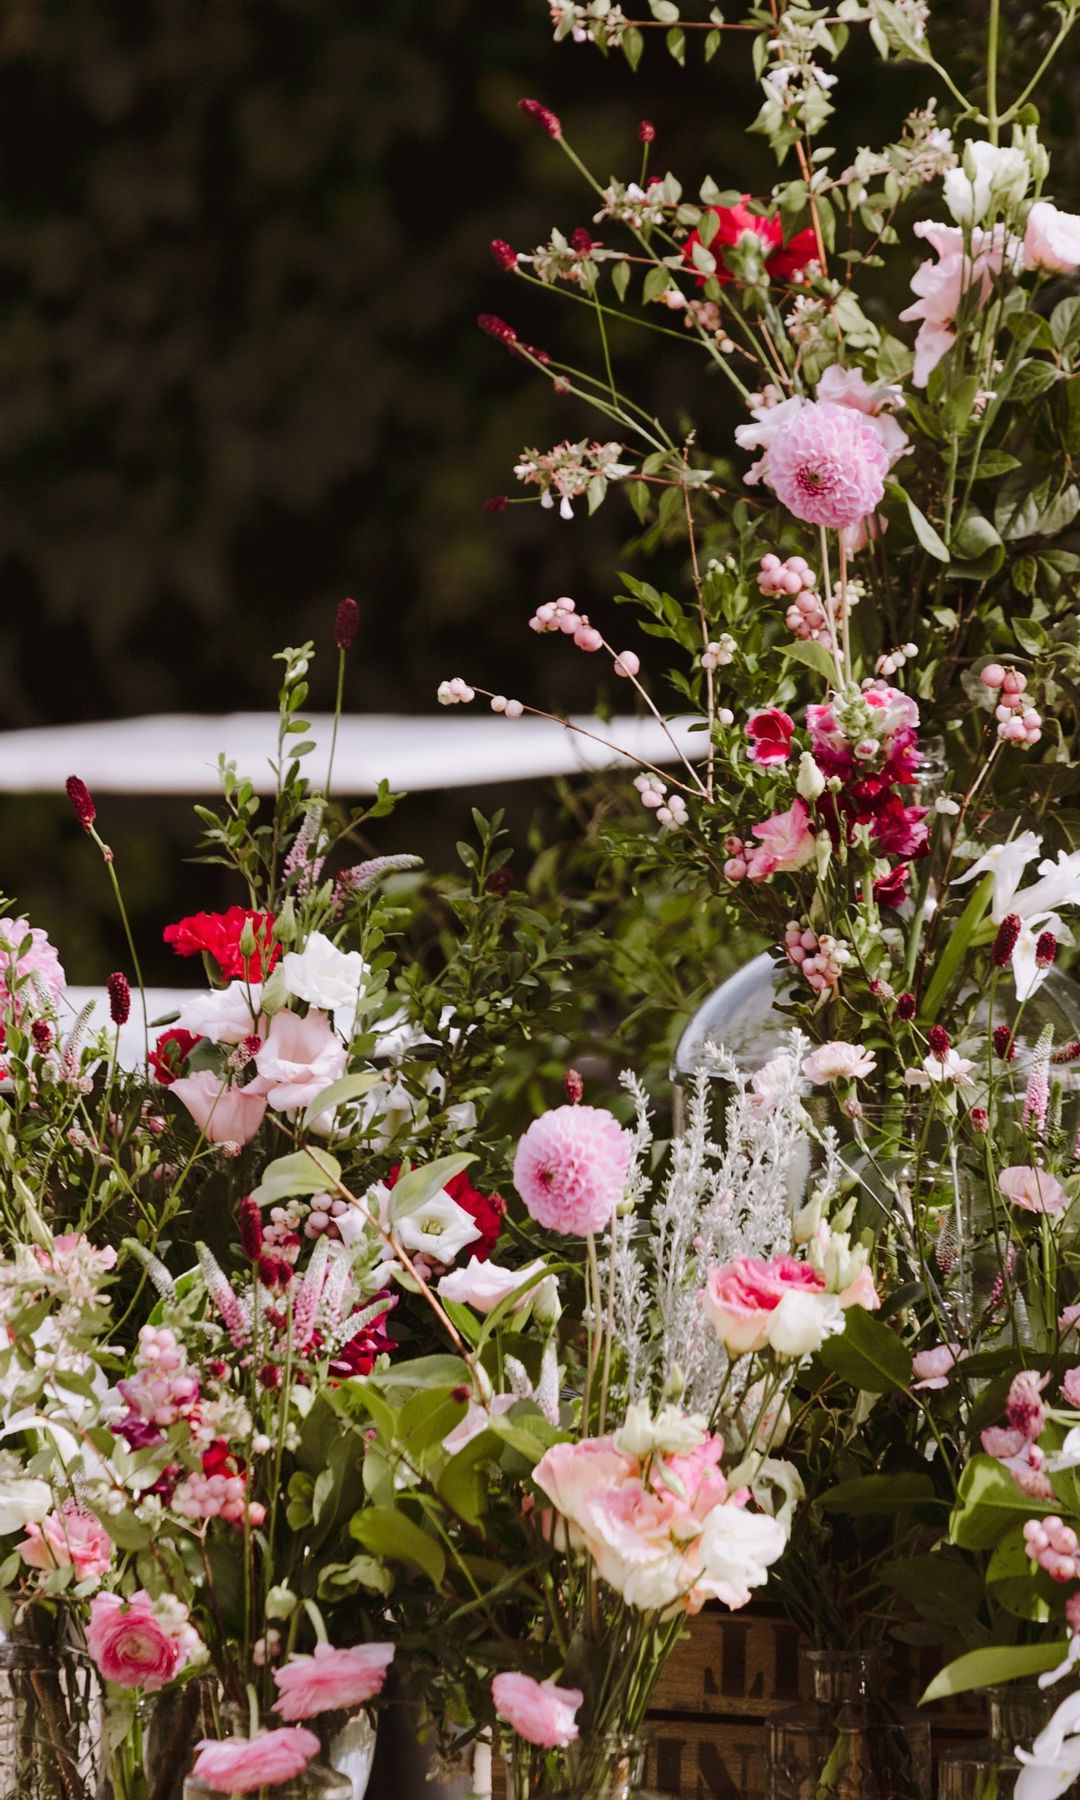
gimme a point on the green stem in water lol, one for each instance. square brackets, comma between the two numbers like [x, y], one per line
[993, 32]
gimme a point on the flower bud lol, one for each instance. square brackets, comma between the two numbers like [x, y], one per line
[542, 116]
[346, 623]
[646, 132]
[505, 255]
[82, 804]
[574, 1087]
[809, 782]
[1008, 932]
[938, 1039]
[906, 1007]
[280, 1602]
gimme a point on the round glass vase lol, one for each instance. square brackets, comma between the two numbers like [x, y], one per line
[986, 1769]
[148, 1740]
[607, 1767]
[315, 1782]
[49, 1723]
[848, 1741]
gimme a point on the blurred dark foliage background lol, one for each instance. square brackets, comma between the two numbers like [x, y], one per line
[242, 248]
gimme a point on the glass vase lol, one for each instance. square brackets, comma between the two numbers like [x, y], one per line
[315, 1782]
[609, 1767]
[987, 1768]
[149, 1739]
[48, 1723]
[848, 1741]
[350, 1750]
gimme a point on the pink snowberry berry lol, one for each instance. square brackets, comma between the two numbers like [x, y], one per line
[586, 637]
[627, 664]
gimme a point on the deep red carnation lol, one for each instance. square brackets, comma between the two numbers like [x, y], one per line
[782, 261]
[218, 935]
[170, 1053]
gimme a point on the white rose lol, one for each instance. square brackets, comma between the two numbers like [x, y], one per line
[224, 1015]
[991, 177]
[23, 1501]
[802, 1322]
[327, 978]
[737, 1547]
[483, 1285]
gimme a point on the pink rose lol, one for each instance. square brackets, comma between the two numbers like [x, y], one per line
[838, 1061]
[933, 1367]
[787, 843]
[129, 1643]
[539, 1711]
[1032, 1189]
[226, 1115]
[238, 1765]
[782, 1304]
[68, 1539]
[299, 1060]
[331, 1680]
[1070, 1386]
[1052, 239]
[770, 736]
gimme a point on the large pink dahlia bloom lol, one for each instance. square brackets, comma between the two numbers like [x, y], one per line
[570, 1168]
[827, 465]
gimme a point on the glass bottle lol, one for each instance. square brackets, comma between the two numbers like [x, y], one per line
[48, 1723]
[848, 1741]
[315, 1782]
[149, 1739]
[596, 1767]
[986, 1769]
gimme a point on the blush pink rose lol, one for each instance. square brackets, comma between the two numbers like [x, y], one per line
[539, 1711]
[1032, 1189]
[226, 1115]
[1052, 239]
[238, 1765]
[787, 843]
[68, 1539]
[743, 1300]
[129, 1643]
[770, 734]
[861, 1292]
[299, 1060]
[331, 1680]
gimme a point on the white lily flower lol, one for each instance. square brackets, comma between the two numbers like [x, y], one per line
[1006, 863]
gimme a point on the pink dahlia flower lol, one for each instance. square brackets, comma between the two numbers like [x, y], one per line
[828, 465]
[239, 1765]
[570, 1169]
[68, 1538]
[331, 1680]
[38, 959]
[539, 1711]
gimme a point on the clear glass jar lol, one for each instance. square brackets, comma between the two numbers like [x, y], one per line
[848, 1741]
[351, 1752]
[608, 1767]
[49, 1723]
[149, 1739]
[315, 1782]
[987, 1768]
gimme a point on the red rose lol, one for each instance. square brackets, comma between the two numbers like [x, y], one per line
[769, 733]
[782, 261]
[218, 935]
[168, 1058]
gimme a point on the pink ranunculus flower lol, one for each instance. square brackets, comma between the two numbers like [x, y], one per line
[133, 1646]
[838, 1061]
[227, 1115]
[1052, 239]
[1070, 1386]
[69, 1538]
[1034, 1190]
[933, 1367]
[787, 843]
[539, 1712]
[782, 1304]
[770, 734]
[299, 1060]
[331, 1680]
[941, 285]
[828, 465]
[239, 1765]
[570, 1169]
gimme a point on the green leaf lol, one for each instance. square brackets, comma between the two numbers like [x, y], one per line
[303, 1172]
[415, 1189]
[920, 524]
[657, 281]
[1065, 322]
[1031, 380]
[956, 948]
[869, 1496]
[620, 278]
[665, 11]
[868, 1354]
[633, 45]
[989, 1504]
[1015, 1579]
[814, 655]
[350, 1087]
[390, 1533]
[995, 1664]
[676, 45]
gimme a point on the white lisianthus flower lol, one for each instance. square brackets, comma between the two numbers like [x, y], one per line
[23, 1501]
[672, 1433]
[224, 1015]
[484, 1285]
[802, 1321]
[327, 978]
[738, 1547]
[991, 177]
[440, 1229]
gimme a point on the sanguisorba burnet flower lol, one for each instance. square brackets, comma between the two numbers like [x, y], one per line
[827, 465]
[539, 1712]
[331, 1680]
[570, 1169]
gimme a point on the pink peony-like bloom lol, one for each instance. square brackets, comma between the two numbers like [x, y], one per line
[238, 1765]
[37, 965]
[828, 465]
[848, 387]
[136, 1645]
[787, 843]
[1032, 1189]
[838, 1061]
[331, 1680]
[941, 285]
[68, 1538]
[539, 1711]
[570, 1169]
[769, 733]
[1070, 1387]
[782, 1304]
[227, 1115]
[300, 1059]
[933, 1367]
[1052, 239]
